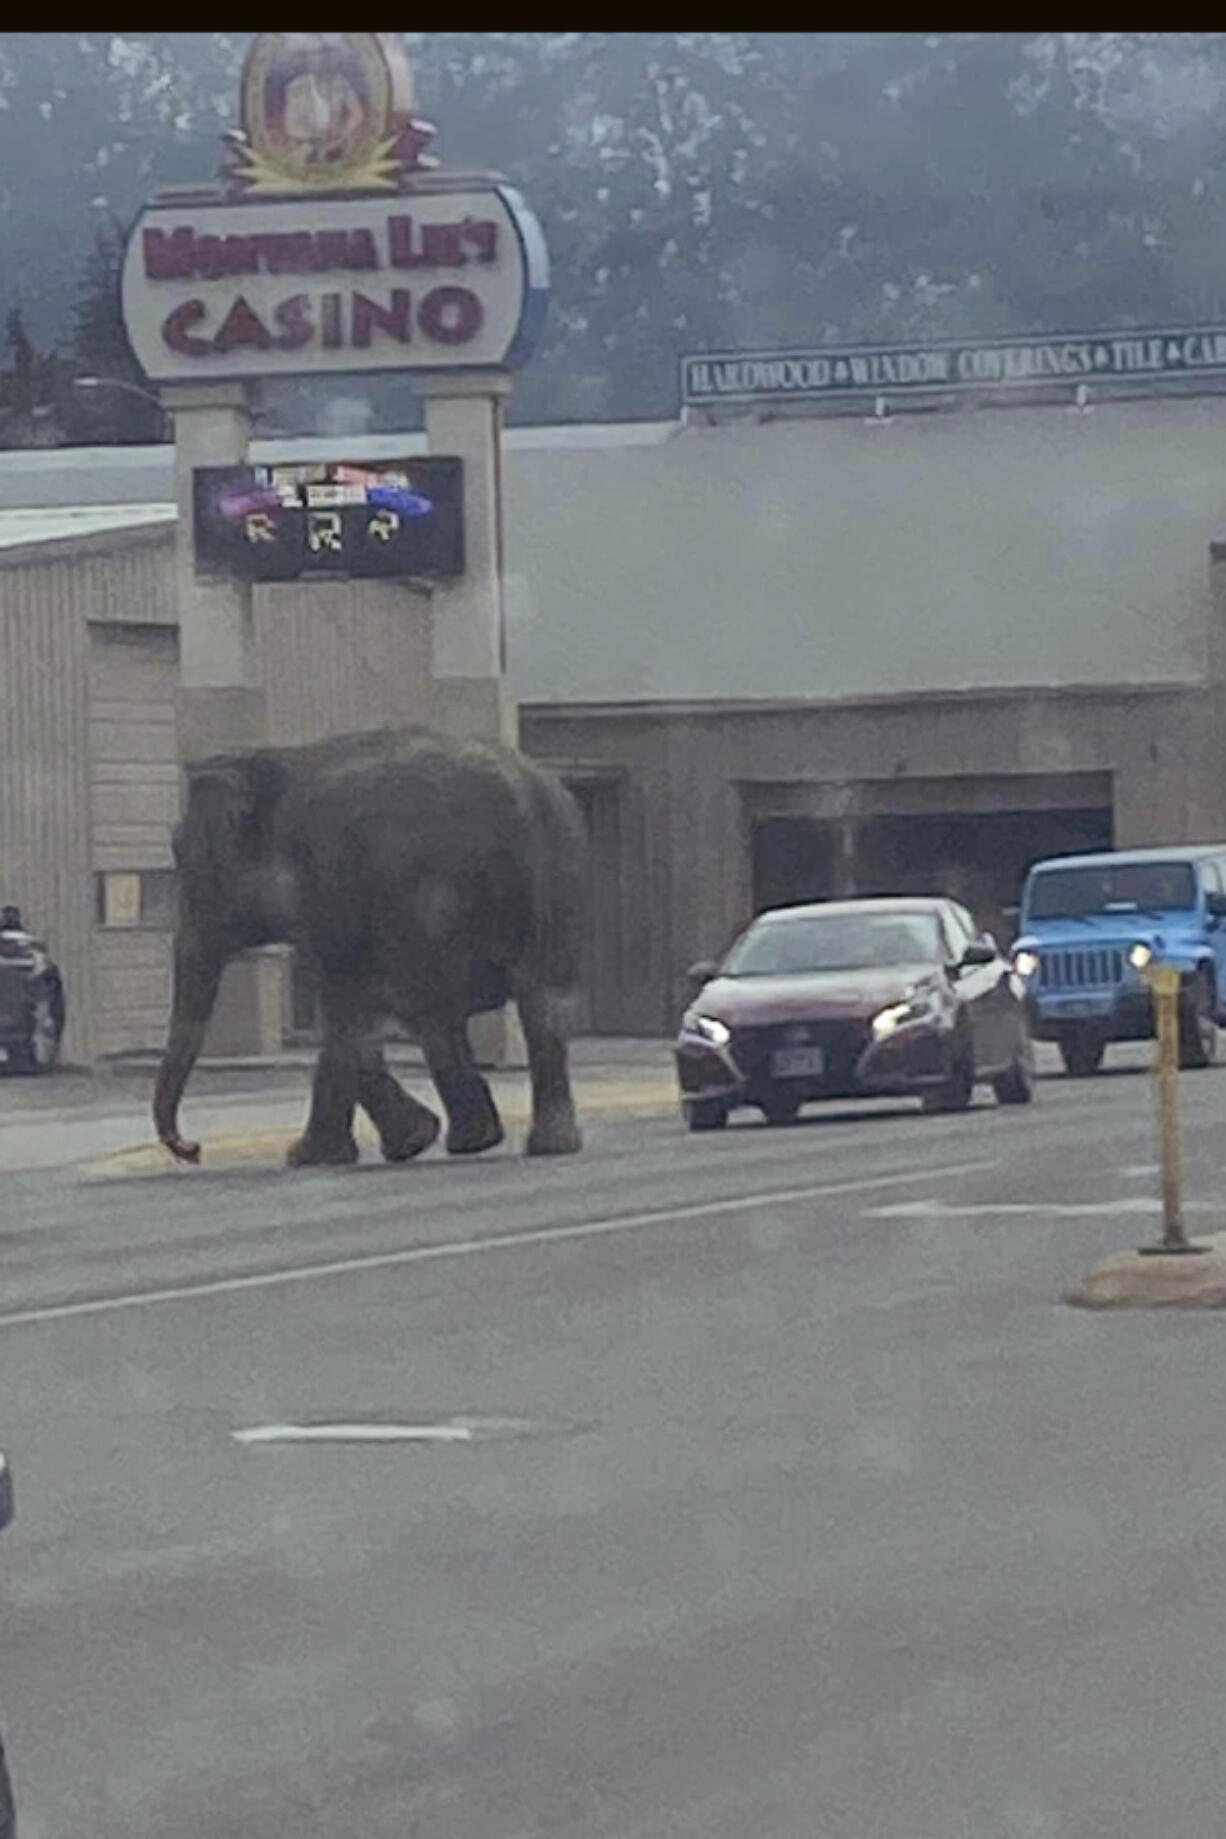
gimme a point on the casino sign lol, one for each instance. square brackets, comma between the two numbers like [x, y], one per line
[332, 248]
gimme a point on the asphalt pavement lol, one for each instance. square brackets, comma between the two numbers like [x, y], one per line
[747, 1486]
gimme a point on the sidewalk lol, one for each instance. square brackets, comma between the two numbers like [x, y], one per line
[248, 1111]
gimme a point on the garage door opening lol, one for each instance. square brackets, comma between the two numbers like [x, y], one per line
[793, 861]
[980, 858]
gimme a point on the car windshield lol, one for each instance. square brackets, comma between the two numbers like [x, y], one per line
[835, 942]
[1070, 893]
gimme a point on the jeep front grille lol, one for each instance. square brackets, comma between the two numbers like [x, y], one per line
[1098, 967]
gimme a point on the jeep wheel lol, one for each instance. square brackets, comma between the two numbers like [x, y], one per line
[706, 1114]
[1082, 1053]
[1197, 1028]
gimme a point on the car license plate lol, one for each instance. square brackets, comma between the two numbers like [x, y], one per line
[798, 1062]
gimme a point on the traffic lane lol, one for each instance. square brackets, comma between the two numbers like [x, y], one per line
[105, 1238]
[831, 1501]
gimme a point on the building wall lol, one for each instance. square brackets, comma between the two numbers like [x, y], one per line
[339, 657]
[825, 558]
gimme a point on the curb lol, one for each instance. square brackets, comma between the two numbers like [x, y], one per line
[1127, 1280]
[266, 1148]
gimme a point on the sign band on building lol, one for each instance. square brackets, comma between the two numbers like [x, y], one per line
[1015, 363]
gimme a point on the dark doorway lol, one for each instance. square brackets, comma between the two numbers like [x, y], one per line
[793, 861]
[980, 858]
[600, 802]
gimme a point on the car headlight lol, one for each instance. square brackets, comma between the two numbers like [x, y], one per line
[919, 1006]
[1140, 955]
[1026, 963]
[707, 1028]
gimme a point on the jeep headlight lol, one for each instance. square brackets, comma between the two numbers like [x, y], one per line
[918, 1006]
[1140, 955]
[707, 1028]
[1026, 963]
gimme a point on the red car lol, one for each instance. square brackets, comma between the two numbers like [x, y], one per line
[854, 999]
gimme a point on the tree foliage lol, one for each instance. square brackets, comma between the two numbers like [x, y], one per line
[703, 189]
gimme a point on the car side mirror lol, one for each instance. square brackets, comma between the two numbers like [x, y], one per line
[702, 972]
[1215, 905]
[980, 951]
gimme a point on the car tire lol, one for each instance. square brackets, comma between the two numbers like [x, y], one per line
[1198, 1035]
[706, 1114]
[779, 1110]
[8, 1816]
[1015, 1086]
[1082, 1053]
[39, 1051]
[959, 1089]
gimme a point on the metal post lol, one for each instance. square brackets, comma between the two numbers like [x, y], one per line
[1164, 980]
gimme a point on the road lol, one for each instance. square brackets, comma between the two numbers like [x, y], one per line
[762, 1486]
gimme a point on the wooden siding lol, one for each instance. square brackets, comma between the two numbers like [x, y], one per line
[44, 823]
[134, 802]
[336, 657]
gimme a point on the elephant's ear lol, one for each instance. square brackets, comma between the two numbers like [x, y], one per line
[230, 803]
[220, 809]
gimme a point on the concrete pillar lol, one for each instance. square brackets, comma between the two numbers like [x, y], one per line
[471, 694]
[471, 697]
[221, 706]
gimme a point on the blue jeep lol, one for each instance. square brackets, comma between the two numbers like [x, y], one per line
[1089, 925]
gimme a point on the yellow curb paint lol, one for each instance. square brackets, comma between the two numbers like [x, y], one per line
[266, 1148]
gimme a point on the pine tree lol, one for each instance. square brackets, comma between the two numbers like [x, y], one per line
[99, 348]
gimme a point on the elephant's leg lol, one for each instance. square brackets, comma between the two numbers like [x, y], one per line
[473, 1120]
[555, 1130]
[328, 1137]
[405, 1127]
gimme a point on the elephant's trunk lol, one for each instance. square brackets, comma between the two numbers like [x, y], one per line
[197, 977]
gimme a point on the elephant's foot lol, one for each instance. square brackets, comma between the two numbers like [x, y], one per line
[309, 1152]
[472, 1135]
[408, 1136]
[558, 1135]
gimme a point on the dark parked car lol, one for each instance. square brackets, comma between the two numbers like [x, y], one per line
[857, 998]
[8, 1822]
[31, 1002]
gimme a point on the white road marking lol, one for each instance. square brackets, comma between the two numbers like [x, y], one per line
[467, 1248]
[354, 1433]
[936, 1209]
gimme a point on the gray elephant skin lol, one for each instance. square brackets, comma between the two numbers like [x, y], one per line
[421, 878]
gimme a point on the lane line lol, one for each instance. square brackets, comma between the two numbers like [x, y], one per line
[354, 1433]
[466, 1248]
[939, 1210]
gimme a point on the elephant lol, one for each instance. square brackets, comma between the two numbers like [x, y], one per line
[422, 878]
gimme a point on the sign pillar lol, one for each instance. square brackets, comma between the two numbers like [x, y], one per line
[470, 692]
[220, 705]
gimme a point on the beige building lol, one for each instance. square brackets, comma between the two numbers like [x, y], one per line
[775, 660]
